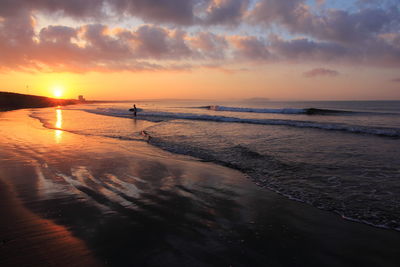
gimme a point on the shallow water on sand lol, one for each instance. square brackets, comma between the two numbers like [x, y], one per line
[338, 156]
[134, 204]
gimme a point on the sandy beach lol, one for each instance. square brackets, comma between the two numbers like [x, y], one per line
[73, 200]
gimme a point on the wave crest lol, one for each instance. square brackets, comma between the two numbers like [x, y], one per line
[160, 116]
[306, 111]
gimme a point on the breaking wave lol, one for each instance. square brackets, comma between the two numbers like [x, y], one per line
[293, 111]
[161, 116]
[307, 111]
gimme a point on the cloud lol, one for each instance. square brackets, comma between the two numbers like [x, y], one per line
[320, 72]
[201, 32]
[95, 47]
[250, 48]
[366, 36]
[225, 11]
[297, 16]
[165, 11]
[331, 25]
[209, 45]
[303, 49]
[57, 34]
[397, 80]
[182, 12]
[157, 42]
[73, 8]
[175, 12]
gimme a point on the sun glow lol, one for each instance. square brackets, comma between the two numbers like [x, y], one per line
[58, 91]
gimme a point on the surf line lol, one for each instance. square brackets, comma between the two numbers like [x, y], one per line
[146, 136]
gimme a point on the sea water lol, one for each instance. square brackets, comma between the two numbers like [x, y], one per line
[341, 156]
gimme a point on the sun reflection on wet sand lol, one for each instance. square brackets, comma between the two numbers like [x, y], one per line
[58, 133]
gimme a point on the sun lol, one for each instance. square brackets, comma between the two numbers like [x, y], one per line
[58, 91]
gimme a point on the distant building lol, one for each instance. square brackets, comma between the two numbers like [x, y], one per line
[81, 98]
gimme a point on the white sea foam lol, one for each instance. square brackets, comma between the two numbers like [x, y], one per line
[157, 116]
[294, 111]
[259, 110]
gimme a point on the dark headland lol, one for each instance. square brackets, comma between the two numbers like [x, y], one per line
[10, 101]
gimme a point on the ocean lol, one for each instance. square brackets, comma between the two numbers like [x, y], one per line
[339, 156]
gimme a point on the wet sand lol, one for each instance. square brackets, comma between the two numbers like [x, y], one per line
[71, 200]
[29, 240]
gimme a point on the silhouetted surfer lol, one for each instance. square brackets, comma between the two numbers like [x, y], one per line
[134, 110]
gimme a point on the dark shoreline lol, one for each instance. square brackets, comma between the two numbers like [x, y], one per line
[13, 101]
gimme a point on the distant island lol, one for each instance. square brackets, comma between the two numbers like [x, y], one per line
[10, 101]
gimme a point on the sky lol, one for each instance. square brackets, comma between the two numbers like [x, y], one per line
[202, 49]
